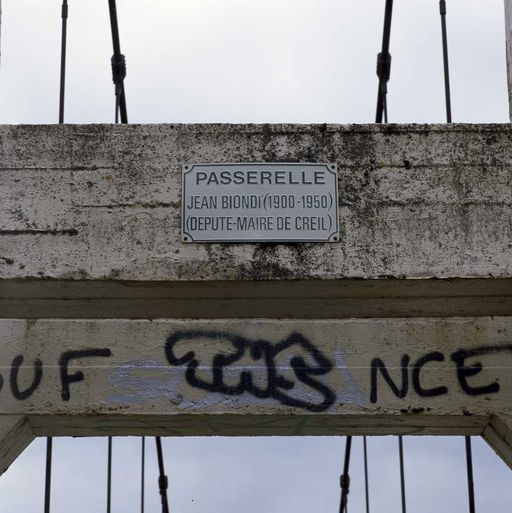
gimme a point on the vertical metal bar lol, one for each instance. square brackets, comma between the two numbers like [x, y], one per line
[508, 33]
[142, 473]
[366, 484]
[0, 32]
[471, 485]
[442, 10]
[162, 478]
[48, 474]
[109, 475]
[402, 472]
[117, 58]
[64, 14]
[345, 479]
[384, 62]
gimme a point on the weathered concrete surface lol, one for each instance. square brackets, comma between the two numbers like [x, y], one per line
[88, 213]
[508, 31]
[89, 229]
[15, 435]
[259, 376]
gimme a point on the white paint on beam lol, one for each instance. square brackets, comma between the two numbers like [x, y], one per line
[258, 376]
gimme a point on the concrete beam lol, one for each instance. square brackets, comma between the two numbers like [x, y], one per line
[82, 203]
[259, 377]
[89, 232]
[15, 435]
[89, 222]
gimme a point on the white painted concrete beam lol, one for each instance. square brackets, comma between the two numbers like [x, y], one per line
[259, 377]
[85, 203]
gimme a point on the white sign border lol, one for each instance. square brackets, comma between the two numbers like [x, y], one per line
[188, 239]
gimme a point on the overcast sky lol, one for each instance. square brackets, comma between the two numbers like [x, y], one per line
[258, 61]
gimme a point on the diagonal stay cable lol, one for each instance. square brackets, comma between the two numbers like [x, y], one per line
[48, 474]
[471, 484]
[118, 65]
[109, 475]
[118, 74]
[448, 102]
[163, 482]
[442, 10]
[49, 440]
[384, 64]
[402, 472]
[142, 473]
[366, 483]
[345, 478]
[64, 15]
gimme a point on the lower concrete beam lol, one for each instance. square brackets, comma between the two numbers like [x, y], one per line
[429, 376]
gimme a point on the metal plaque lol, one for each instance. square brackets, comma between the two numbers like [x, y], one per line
[259, 202]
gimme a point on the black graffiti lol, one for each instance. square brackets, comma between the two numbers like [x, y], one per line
[463, 373]
[399, 391]
[434, 356]
[65, 378]
[38, 376]
[277, 386]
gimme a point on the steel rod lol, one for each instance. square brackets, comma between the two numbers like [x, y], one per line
[471, 484]
[345, 479]
[142, 473]
[118, 64]
[109, 475]
[384, 63]
[402, 472]
[162, 478]
[442, 9]
[48, 474]
[64, 15]
[366, 482]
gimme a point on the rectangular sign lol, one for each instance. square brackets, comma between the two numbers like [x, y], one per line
[260, 202]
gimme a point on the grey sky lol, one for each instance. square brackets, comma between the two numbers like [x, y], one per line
[254, 61]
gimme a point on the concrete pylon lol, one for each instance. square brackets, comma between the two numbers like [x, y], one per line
[111, 325]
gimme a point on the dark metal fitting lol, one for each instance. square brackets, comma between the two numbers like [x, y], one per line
[163, 483]
[384, 66]
[345, 482]
[118, 68]
[442, 7]
[64, 11]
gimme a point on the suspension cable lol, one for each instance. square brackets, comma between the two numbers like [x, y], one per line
[384, 65]
[49, 440]
[402, 471]
[109, 475]
[366, 484]
[142, 473]
[442, 10]
[163, 482]
[345, 478]
[471, 484]
[64, 15]
[446, 63]
[48, 474]
[118, 65]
